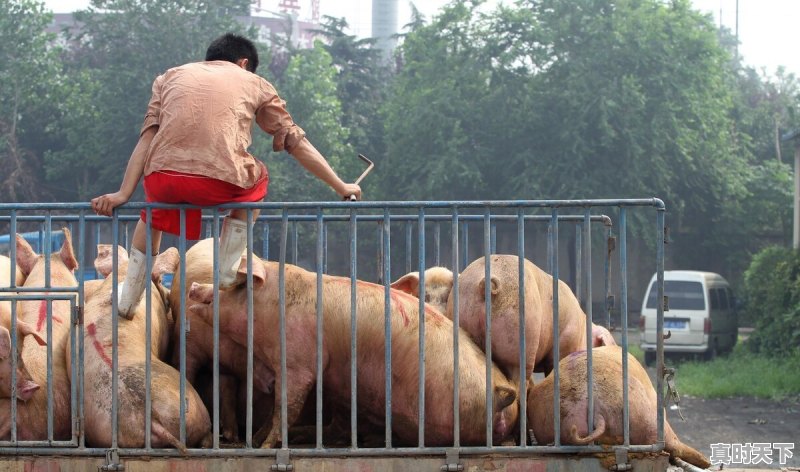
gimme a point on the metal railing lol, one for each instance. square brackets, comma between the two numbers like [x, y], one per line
[320, 223]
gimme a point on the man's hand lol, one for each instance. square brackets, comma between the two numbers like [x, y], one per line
[350, 189]
[105, 204]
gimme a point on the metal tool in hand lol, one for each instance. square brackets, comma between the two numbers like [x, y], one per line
[363, 174]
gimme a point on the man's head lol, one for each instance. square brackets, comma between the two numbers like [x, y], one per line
[234, 48]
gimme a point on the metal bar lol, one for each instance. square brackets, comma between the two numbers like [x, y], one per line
[282, 301]
[77, 364]
[587, 263]
[387, 320]
[465, 244]
[607, 276]
[183, 324]
[353, 331]
[409, 236]
[294, 242]
[48, 281]
[523, 368]
[320, 325]
[437, 236]
[215, 415]
[623, 278]
[422, 318]
[456, 309]
[250, 322]
[148, 366]
[487, 295]
[265, 241]
[660, 400]
[579, 266]
[62, 448]
[13, 333]
[114, 330]
[553, 246]
[649, 202]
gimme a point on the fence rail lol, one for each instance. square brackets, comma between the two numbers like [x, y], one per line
[313, 235]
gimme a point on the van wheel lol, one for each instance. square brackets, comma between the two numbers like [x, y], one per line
[711, 353]
[649, 358]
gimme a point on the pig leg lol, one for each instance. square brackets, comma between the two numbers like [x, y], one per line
[227, 412]
[302, 381]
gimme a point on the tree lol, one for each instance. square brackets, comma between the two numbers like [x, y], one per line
[121, 47]
[309, 88]
[29, 76]
[362, 82]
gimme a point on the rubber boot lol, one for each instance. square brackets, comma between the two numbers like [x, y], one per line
[130, 290]
[232, 243]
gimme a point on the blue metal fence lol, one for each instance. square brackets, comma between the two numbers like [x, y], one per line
[328, 238]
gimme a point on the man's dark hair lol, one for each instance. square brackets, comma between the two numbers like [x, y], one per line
[231, 47]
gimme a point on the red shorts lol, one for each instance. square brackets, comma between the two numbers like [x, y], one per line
[177, 187]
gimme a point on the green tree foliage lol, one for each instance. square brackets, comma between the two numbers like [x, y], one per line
[772, 287]
[121, 47]
[29, 79]
[362, 78]
[308, 86]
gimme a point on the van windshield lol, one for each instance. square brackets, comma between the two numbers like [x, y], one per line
[682, 295]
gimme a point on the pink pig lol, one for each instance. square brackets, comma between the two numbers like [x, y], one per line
[505, 302]
[133, 349]
[608, 405]
[300, 300]
[200, 350]
[32, 415]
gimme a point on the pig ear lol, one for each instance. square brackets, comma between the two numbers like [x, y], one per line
[504, 396]
[66, 253]
[103, 263]
[5, 343]
[166, 263]
[602, 337]
[26, 256]
[494, 290]
[259, 271]
[24, 329]
[408, 283]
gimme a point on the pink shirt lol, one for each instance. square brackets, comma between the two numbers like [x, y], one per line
[204, 112]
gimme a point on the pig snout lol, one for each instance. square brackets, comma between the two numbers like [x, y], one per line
[202, 293]
[26, 389]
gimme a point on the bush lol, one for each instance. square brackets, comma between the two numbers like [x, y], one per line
[772, 291]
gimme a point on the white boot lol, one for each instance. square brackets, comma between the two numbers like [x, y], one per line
[232, 243]
[130, 290]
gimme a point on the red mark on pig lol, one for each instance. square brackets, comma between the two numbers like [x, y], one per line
[43, 316]
[91, 329]
[400, 308]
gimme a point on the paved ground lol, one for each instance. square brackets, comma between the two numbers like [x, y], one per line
[736, 421]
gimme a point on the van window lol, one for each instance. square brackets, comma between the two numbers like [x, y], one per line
[724, 300]
[683, 295]
[714, 297]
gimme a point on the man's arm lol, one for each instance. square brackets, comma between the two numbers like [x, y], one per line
[105, 204]
[308, 156]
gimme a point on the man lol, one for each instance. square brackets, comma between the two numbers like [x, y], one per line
[193, 149]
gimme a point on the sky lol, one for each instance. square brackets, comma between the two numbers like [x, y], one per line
[768, 29]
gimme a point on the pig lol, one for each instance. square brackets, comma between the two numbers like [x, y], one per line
[301, 320]
[32, 415]
[438, 284]
[132, 355]
[200, 350]
[608, 405]
[26, 387]
[505, 314]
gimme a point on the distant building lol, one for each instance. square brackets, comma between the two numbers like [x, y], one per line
[286, 25]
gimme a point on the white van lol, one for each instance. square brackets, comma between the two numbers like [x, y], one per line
[701, 316]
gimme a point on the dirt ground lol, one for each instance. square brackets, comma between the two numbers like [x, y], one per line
[738, 420]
